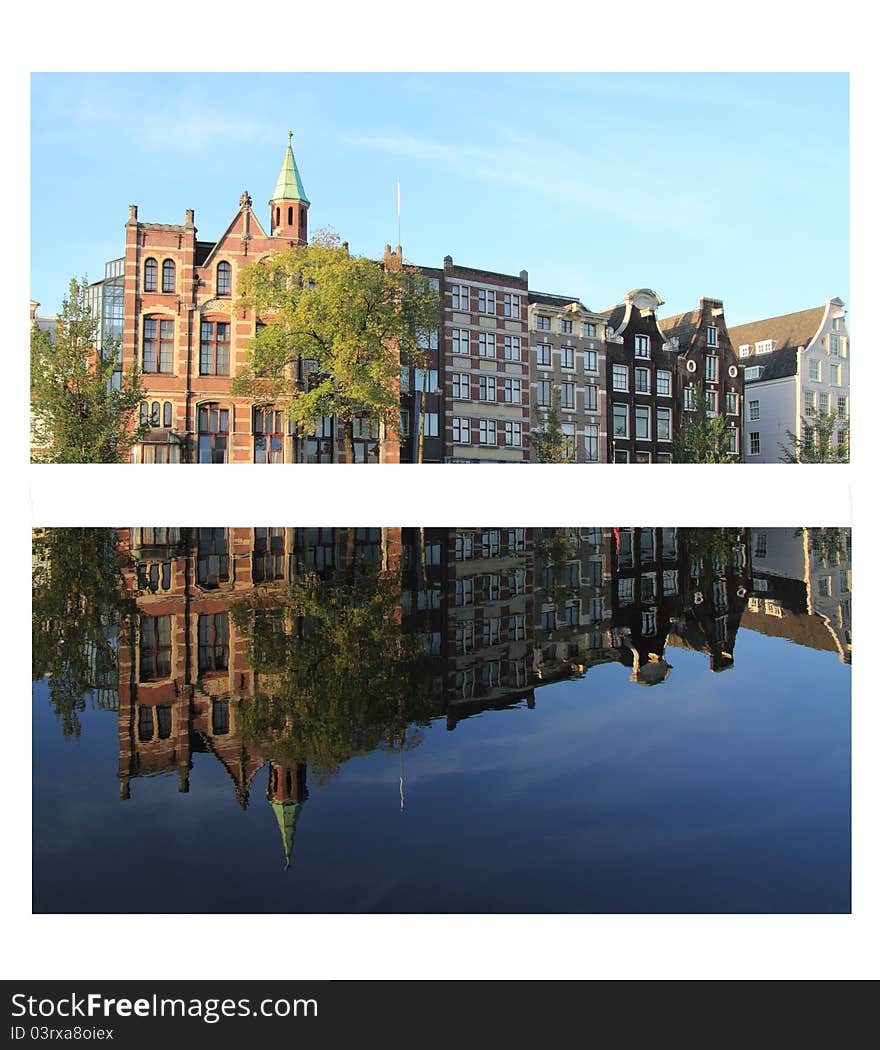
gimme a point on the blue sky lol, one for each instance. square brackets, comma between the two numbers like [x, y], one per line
[728, 185]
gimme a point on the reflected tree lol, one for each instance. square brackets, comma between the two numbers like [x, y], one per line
[77, 603]
[335, 676]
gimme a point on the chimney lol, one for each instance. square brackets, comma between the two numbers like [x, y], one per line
[132, 213]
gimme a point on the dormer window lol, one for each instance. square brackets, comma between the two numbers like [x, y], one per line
[224, 278]
[643, 346]
[754, 373]
[168, 269]
[765, 346]
[744, 350]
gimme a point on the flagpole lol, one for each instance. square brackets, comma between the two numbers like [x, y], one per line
[398, 213]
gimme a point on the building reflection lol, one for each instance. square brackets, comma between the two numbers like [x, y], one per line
[279, 649]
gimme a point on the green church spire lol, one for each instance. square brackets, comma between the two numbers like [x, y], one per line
[289, 186]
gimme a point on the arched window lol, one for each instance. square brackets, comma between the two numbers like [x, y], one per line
[145, 412]
[268, 435]
[214, 348]
[154, 414]
[277, 216]
[168, 276]
[158, 349]
[166, 414]
[151, 273]
[290, 216]
[213, 433]
[302, 223]
[224, 278]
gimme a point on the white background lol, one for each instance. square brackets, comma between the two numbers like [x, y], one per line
[639, 36]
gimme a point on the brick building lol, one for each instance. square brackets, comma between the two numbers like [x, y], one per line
[707, 363]
[567, 352]
[640, 367]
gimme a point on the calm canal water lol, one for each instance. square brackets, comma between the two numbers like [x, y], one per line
[441, 720]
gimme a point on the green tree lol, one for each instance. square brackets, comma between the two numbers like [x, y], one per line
[78, 415]
[549, 442]
[345, 323]
[702, 438]
[338, 676]
[78, 603]
[817, 443]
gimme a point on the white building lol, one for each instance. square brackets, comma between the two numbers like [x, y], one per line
[795, 366]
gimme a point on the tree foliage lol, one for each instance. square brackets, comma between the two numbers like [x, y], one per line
[349, 318]
[78, 415]
[338, 676]
[817, 443]
[77, 604]
[702, 438]
[549, 442]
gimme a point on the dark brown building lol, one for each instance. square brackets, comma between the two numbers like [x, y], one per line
[640, 378]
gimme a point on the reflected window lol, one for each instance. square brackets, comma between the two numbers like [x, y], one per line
[213, 642]
[155, 648]
[219, 717]
[145, 724]
[163, 722]
[212, 564]
[268, 560]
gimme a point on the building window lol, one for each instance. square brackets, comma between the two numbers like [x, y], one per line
[625, 591]
[731, 403]
[732, 440]
[426, 380]
[464, 637]
[565, 326]
[643, 422]
[567, 391]
[155, 414]
[542, 393]
[224, 278]
[711, 403]
[485, 301]
[511, 305]
[460, 297]
[513, 391]
[158, 345]
[213, 433]
[566, 357]
[214, 348]
[487, 344]
[823, 404]
[834, 345]
[512, 347]
[664, 424]
[842, 407]
[213, 642]
[591, 442]
[591, 398]
[461, 430]
[754, 373]
[166, 414]
[834, 375]
[620, 415]
[754, 443]
[155, 648]
[809, 402]
[491, 544]
[268, 435]
[542, 323]
[712, 335]
[487, 432]
[212, 558]
[268, 558]
[690, 397]
[513, 434]
[516, 627]
[404, 422]
[168, 269]
[643, 346]
[464, 591]
[764, 346]
[754, 410]
[151, 275]
[461, 386]
[589, 330]
[620, 377]
[487, 388]
[744, 350]
[542, 355]
[591, 361]
[711, 368]
[461, 341]
[464, 546]
[816, 371]
[664, 382]
[643, 381]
